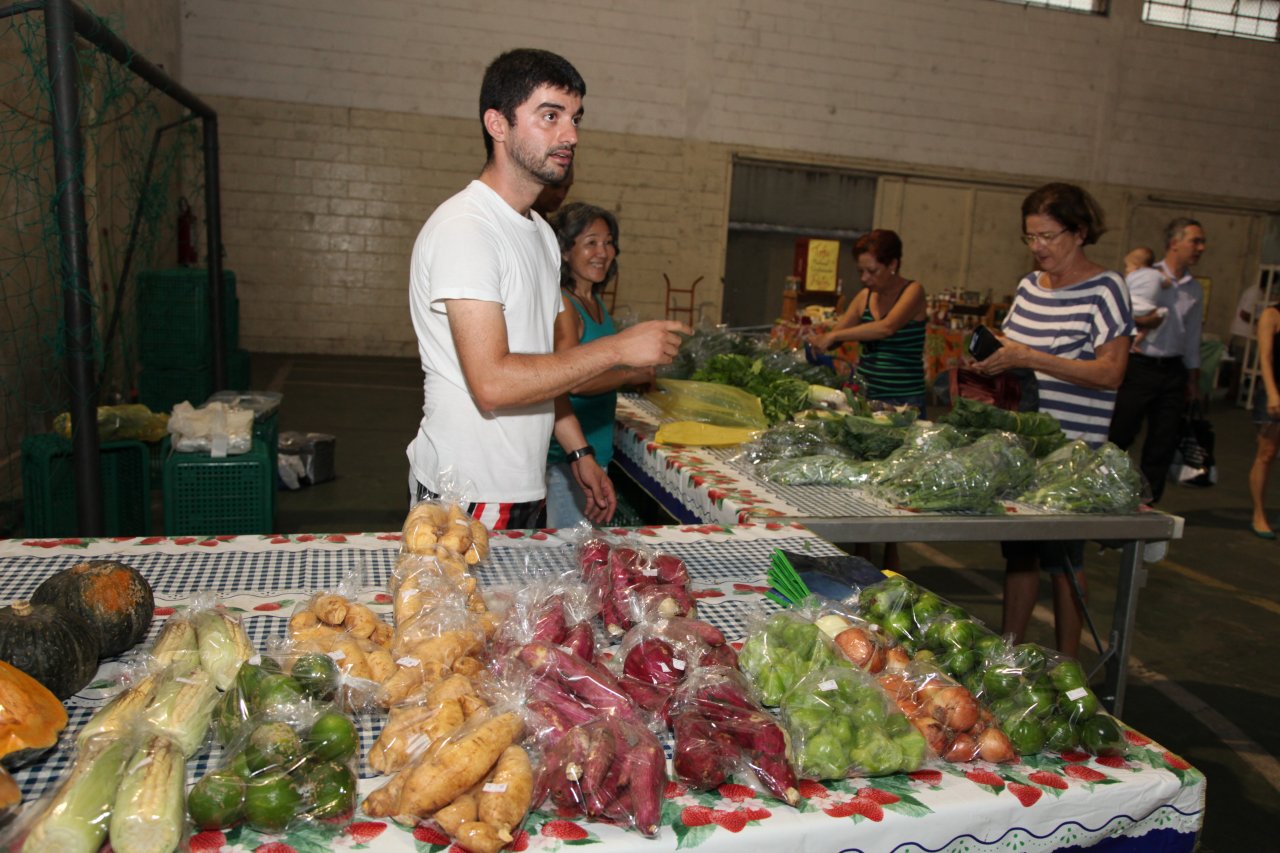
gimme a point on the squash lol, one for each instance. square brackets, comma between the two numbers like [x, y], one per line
[114, 599]
[52, 645]
[30, 719]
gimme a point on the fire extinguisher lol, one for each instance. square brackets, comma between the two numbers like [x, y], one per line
[188, 255]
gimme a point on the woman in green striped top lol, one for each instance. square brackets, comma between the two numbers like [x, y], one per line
[887, 318]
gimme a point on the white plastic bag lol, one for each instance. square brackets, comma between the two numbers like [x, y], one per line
[215, 428]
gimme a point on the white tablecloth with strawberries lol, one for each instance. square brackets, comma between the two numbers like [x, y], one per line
[1151, 799]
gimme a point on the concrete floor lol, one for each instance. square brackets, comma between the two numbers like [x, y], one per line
[1203, 677]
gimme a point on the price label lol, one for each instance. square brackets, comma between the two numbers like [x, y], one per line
[408, 661]
[826, 686]
[1077, 693]
[678, 664]
[495, 787]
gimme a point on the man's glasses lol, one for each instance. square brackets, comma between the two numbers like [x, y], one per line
[1045, 238]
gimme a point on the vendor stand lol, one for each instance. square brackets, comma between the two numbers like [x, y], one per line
[1150, 799]
[700, 485]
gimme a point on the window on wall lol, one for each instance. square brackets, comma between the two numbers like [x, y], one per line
[1253, 19]
[1089, 7]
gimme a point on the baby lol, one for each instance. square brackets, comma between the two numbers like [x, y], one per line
[1138, 258]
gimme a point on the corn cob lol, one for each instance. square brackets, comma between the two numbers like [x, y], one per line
[223, 645]
[177, 641]
[182, 708]
[76, 818]
[120, 714]
[149, 810]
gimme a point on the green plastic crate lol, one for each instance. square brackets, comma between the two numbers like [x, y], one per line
[49, 487]
[238, 368]
[173, 317]
[204, 496]
[160, 389]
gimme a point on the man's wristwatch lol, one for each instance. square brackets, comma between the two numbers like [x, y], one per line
[579, 453]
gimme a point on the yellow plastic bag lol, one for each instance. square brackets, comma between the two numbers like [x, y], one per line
[703, 435]
[132, 421]
[708, 402]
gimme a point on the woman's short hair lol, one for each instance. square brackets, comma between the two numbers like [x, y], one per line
[882, 244]
[569, 222]
[1070, 206]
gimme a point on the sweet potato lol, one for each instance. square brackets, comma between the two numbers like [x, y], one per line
[479, 837]
[648, 780]
[464, 809]
[671, 569]
[359, 620]
[504, 799]
[590, 684]
[330, 608]
[384, 801]
[457, 765]
[653, 660]
[410, 730]
[580, 640]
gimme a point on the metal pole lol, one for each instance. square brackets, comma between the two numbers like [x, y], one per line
[213, 230]
[68, 152]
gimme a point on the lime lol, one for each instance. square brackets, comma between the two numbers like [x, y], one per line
[1068, 675]
[961, 633]
[217, 800]
[230, 714]
[1031, 658]
[318, 675]
[333, 737]
[926, 608]
[1079, 704]
[999, 682]
[331, 789]
[276, 689]
[1059, 734]
[957, 662]
[239, 766]
[271, 800]
[272, 745]
[989, 645]
[1026, 735]
[1101, 735]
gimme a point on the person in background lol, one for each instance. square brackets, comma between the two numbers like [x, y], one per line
[588, 237]
[1266, 414]
[483, 299]
[1070, 322]
[1138, 258]
[887, 318]
[1163, 375]
[553, 195]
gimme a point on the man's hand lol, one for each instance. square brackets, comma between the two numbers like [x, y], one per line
[1193, 390]
[650, 343]
[602, 501]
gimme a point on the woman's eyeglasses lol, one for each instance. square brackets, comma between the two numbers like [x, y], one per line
[1043, 237]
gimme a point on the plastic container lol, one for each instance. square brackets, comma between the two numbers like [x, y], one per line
[173, 318]
[161, 389]
[206, 496]
[49, 487]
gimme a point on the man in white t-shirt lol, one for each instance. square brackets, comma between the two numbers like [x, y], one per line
[483, 296]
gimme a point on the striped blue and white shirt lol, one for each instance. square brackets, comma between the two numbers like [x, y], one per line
[1072, 322]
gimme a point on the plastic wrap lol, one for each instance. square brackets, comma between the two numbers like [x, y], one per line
[1075, 478]
[816, 471]
[655, 657]
[781, 650]
[411, 727]
[708, 402]
[634, 583]
[291, 762]
[842, 724]
[812, 437]
[214, 428]
[610, 770]
[1040, 431]
[354, 638]
[1043, 702]
[969, 478]
[720, 733]
[444, 523]
[954, 725]
[569, 691]
[132, 421]
[74, 818]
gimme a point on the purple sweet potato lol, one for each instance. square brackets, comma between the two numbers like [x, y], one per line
[699, 758]
[580, 640]
[655, 661]
[549, 623]
[671, 569]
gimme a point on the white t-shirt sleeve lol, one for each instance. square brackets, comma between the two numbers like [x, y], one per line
[1144, 287]
[464, 262]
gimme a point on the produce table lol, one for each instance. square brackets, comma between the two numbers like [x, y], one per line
[1150, 800]
[700, 485]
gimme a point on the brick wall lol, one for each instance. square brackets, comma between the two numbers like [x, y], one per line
[345, 124]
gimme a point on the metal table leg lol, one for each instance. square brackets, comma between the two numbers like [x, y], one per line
[1133, 577]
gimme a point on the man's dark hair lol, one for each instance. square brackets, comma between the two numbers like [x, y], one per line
[511, 78]
[1174, 229]
[1070, 206]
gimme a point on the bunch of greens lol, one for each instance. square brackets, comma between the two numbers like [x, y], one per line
[816, 471]
[968, 479]
[1075, 478]
[703, 345]
[921, 442]
[780, 395]
[1042, 432]
[788, 440]
[787, 363]
[869, 437]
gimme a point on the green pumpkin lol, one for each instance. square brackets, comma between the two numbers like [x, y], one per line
[115, 601]
[52, 645]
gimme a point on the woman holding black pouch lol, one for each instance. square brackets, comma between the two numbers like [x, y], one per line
[1071, 323]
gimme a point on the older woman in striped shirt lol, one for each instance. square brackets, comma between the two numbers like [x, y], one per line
[1071, 323]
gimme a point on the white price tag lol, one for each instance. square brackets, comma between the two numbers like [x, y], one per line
[185, 680]
[256, 660]
[408, 661]
[826, 686]
[662, 666]
[1077, 693]
[494, 788]
[678, 664]
[338, 655]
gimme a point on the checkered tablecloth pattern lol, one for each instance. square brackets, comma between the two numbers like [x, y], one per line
[265, 578]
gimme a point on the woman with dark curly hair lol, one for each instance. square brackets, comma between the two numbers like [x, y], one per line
[588, 237]
[1071, 323]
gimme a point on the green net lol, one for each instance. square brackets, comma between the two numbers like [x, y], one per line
[130, 213]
